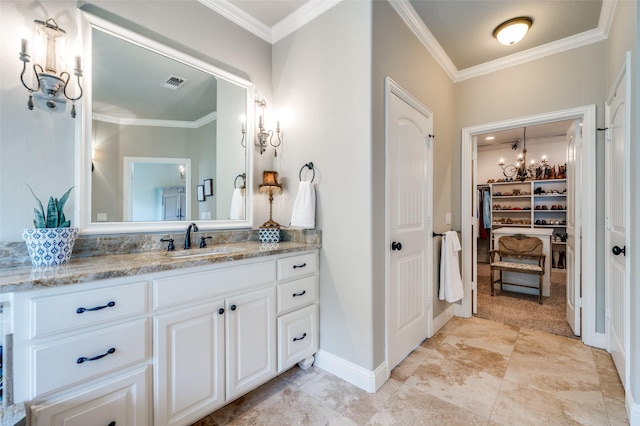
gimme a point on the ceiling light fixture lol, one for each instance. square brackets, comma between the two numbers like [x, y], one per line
[512, 31]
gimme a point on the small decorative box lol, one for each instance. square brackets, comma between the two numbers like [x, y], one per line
[269, 235]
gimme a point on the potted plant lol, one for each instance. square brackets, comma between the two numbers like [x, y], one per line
[51, 240]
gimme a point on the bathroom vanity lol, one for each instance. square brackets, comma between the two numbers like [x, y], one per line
[160, 338]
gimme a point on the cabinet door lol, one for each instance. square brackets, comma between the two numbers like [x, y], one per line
[251, 340]
[121, 401]
[189, 363]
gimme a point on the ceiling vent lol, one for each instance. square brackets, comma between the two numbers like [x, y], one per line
[173, 82]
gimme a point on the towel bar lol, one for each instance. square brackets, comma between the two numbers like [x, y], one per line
[244, 180]
[435, 234]
[309, 165]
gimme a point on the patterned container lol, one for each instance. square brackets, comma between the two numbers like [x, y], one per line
[269, 235]
[49, 246]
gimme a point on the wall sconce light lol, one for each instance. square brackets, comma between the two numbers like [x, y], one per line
[264, 136]
[181, 171]
[512, 31]
[51, 87]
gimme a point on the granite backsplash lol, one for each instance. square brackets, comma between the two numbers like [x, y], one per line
[15, 253]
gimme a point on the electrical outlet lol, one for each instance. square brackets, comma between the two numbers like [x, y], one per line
[101, 217]
[447, 219]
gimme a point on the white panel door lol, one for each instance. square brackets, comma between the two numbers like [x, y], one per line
[189, 363]
[574, 240]
[617, 218]
[410, 239]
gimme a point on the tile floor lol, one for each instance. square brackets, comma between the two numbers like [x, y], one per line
[473, 371]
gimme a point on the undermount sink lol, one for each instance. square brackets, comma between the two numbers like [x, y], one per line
[203, 252]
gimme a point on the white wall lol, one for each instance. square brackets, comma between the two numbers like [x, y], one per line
[37, 147]
[322, 83]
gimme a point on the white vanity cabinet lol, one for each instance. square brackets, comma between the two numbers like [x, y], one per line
[166, 348]
[297, 309]
[214, 338]
[82, 353]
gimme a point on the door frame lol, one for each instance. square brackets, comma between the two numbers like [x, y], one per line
[393, 88]
[588, 207]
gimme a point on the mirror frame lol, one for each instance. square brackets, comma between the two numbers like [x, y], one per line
[84, 126]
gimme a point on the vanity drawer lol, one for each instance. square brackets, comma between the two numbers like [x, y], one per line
[295, 294]
[202, 285]
[53, 314]
[297, 336]
[297, 266]
[66, 361]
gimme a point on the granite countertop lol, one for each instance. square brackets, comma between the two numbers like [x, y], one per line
[86, 269]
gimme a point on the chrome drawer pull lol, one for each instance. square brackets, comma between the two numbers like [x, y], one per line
[300, 294]
[295, 339]
[299, 266]
[83, 359]
[97, 308]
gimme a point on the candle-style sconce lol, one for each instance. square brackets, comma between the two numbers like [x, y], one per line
[264, 137]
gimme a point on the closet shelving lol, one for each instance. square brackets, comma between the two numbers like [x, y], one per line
[531, 204]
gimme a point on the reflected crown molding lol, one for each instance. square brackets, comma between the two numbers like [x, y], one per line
[156, 123]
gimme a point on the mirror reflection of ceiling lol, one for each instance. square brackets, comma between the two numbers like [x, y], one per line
[128, 90]
[462, 29]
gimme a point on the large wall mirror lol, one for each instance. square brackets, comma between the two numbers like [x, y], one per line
[162, 137]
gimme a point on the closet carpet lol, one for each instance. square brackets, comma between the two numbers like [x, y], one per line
[523, 310]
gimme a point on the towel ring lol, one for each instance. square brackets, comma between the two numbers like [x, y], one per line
[244, 181]
[309, 166]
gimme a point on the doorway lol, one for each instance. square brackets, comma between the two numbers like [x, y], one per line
[584, 175]
[539, 204]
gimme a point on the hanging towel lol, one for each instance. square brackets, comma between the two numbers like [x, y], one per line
[304, 208]
[450, 282]
[486, 204]
[237, 205]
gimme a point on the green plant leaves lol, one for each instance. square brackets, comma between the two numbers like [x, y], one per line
[54, 218]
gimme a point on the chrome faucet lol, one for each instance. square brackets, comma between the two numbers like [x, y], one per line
[187, 237]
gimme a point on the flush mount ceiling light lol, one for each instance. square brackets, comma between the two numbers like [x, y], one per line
[512, 31]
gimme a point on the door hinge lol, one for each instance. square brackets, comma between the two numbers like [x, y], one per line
[579, 303]
[607, 313]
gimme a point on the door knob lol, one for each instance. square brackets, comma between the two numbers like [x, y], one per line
[617, 250]
[396, 246]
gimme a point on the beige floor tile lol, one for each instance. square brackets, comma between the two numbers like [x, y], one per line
[413, 407]
[470, 388]
[347, 399]
[518, 404]
[293, 408]
[408, 365]
[468, 353]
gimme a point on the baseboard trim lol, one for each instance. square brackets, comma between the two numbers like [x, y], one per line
[367, 380]
[443, 318]
[598, 340]
[633, 409]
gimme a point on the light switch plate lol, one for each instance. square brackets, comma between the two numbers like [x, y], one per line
[447, 219]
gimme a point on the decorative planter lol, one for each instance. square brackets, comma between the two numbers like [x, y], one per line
[49, 246]
[269, 235]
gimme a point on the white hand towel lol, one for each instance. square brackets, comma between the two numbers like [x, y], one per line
[451, 288]
[237, 205]
[304, 208]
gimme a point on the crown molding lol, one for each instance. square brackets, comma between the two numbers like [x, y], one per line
[296, 20]
[411, 18]
[300, 17]
[156, 123]
[238, 16]
[568, 43]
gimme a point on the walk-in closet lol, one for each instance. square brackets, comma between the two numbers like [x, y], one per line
[524, 188]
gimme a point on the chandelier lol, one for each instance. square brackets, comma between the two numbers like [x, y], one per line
[521, 170]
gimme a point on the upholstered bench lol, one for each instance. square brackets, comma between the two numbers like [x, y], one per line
[511, 251]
